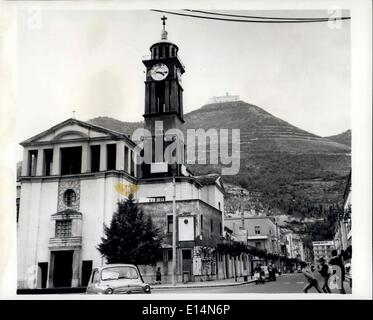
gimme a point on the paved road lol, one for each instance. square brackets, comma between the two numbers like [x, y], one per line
[291, 283]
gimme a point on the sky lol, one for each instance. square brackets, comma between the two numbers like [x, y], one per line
[90, 61]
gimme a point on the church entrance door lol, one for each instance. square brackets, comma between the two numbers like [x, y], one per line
[62, 271]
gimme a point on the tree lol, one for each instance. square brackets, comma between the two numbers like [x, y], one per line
[131, 237]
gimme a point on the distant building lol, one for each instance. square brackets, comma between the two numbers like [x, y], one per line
[295, 247]
[322, 249]
[260, 232]
[343, 234]
[222, 99]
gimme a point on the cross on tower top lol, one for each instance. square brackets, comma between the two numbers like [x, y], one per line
[164, 18]
[164, 32]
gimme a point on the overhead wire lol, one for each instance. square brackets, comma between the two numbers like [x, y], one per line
[257, 17]
[288, 20]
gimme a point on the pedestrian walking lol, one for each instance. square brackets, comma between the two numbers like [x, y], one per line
[272, 272]
[158, 276]
[311, 279]
[339, 271]
[324, 271]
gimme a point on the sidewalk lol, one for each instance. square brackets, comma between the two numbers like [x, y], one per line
[204, 284]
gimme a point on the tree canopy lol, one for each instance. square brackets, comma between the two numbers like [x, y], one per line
[131, 236]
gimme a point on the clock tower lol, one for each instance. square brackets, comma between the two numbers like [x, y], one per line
[164, 101]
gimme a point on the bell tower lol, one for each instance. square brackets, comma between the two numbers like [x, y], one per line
[164, 99]
[163, 90]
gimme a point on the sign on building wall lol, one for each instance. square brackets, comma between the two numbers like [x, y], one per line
[186, 228]
[158, 167]
[197, 266]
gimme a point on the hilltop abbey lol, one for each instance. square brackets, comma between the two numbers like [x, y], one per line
[74, 173]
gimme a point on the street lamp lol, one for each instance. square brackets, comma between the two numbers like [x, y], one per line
[242, 212]
[174, 231]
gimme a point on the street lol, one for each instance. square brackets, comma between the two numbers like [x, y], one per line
[289, 283]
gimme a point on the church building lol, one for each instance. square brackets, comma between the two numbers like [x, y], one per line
[74, 173]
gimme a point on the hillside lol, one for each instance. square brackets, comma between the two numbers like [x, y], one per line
[343, 138]
[283, 168]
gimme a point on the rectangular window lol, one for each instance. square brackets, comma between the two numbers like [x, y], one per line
[126, 162]
[258, 244]
[32, 162]
[257, 229]
[169, 223]
[111, 153]
[157, 199]
[71, 160]
[95, 158]
[187, 254]
[48, 160]
[63, 228]
[169, 255]
[221, 229]
[160, 93]
[201, 223]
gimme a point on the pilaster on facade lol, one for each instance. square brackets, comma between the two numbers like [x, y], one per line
[103, 157]
[40, 162]
[120, 161]
[25, 162]
[86, 152]
[129, 161]
[56, 164]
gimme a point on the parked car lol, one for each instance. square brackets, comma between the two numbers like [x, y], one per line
[117, 279]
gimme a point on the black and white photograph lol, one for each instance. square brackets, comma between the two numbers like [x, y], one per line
[198, 150]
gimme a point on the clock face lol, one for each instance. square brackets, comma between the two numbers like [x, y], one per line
[159, 71]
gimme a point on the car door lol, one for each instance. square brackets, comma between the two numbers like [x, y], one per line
[93, 280]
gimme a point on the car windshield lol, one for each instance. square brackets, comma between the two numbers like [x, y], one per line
[121, 272]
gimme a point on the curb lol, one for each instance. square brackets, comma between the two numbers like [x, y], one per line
[212, 285]
[230, 284]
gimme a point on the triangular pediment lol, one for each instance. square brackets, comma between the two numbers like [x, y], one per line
[73, 130]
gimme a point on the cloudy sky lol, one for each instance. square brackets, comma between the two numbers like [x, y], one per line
[90, 61]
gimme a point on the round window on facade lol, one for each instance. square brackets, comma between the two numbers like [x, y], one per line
[69, 197]
[186, 221]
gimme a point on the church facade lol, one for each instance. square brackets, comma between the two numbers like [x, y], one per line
[74, 173]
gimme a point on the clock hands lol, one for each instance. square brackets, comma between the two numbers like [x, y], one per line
[162, 73]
